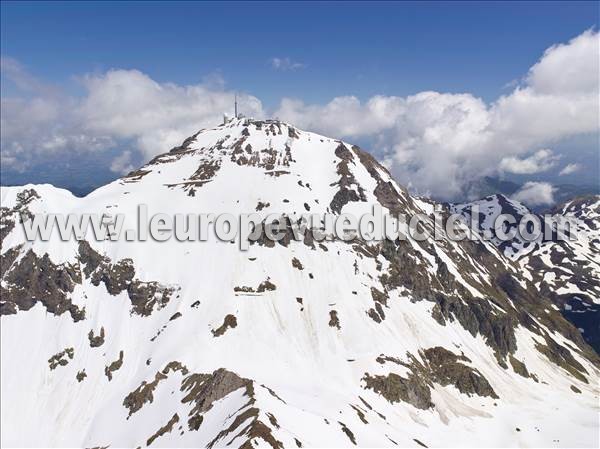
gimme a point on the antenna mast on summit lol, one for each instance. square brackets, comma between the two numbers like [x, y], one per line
[235, 104]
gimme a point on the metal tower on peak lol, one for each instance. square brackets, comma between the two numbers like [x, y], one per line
[235, 104]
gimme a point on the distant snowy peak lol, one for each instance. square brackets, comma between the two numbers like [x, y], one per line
[584, 208]
[488, 210]
[565, 271]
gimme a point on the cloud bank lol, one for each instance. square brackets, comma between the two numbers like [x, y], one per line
[539, 161]
[569, 169]
[124, 108]
[434, 143]
[437, 143]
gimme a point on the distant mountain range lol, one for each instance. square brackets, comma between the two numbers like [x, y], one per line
[565, 271]
[488, 185]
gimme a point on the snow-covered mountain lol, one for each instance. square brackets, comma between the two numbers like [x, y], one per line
[291, 344]
[566, 271]
[489, 209]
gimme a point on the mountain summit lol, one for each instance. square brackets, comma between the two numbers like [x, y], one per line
[288, 344]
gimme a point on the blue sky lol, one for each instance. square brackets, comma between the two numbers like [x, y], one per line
[326, 50]
[349, 48]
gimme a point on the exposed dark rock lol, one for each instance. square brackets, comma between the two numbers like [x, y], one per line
[19, 213]
[135, 175]
[346, 193]
[81, 375]
[341, 198]
[168, 427]
[98, 340]
[365, 403]
[203, 390]
[90, 259]
[260, 206]
[374, 315]
[292, 133]
[348, 433]
[395, 388]
[360, 414]
[186, 144]
[438, 356]
[518, 366]
[143, 394]
[445, 368]
[7, 259]
[441, 366]
[384, 359]
[36, 279]
[118, 277]
[26, 196]
[114, 366]
[146, 296]
[334, 321]
[379, 297]
[230, 321]
[205, 172]
[387, 195]
[7, 223]
[379, 309]
[297, 264]
[476, 316]
[273, 420]
[264, 286]
[256, 429]
[62, 358]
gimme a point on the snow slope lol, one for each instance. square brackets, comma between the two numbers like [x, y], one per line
[300, 343]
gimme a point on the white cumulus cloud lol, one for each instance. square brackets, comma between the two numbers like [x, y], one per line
[569, 168]
[535, 194]
[570, 67]
[120, 107]
[540, 161]
[437, 143]
[129, 104]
